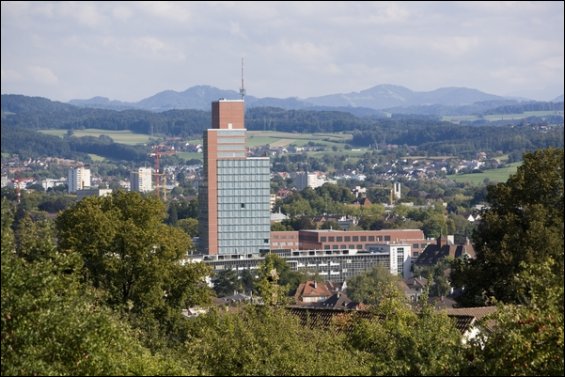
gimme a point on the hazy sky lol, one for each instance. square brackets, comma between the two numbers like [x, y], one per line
[129, 51]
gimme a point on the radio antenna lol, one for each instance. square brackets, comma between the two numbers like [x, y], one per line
[242, 89]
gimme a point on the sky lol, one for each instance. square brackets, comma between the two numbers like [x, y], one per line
[132, 50]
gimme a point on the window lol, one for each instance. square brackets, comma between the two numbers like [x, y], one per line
[242, 205]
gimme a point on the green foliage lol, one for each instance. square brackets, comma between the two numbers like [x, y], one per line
[401, 342]
[269, 282]
[278, 227]
[268, 342]
[525, 340]
[370, 287]
[523, 227]
[134, 257]
[54, 325]
[189, 226]
[226, 282]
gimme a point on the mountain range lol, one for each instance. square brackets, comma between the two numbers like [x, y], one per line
[373, 101]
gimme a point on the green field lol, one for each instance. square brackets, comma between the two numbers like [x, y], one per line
[494, 175]
[121, 137]
[96, 157]
[189, 155]
[495, 117]
[284, 139]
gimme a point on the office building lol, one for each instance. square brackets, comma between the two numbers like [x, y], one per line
[333, 265]
[235, 191]
[78, 179]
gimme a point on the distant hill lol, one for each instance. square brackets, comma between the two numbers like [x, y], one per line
[373, 101]
[382, 97]
[558, 99]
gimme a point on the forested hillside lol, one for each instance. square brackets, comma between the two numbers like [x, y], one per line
[428, 134]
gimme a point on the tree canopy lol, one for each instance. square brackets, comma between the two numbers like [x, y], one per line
[522, 227]
[135, 258]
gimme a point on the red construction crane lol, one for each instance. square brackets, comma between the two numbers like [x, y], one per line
[158, 151]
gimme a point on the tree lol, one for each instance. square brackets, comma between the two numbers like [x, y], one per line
[226, 282]
[526, 340]
[398, 341]
[369, 287]
[133, 256]
[52, 324]
[269, 282]
[522, 227]
[267, 341]
[189, 225]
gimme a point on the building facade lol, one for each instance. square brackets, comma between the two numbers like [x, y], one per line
[234, 196]
[141, 180]
[332, 265]
[331, 239]
[78, 179]
[301, 180]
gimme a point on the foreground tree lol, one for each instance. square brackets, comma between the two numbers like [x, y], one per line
[267, 341]
[522, 227]
[526, 340]
[134, 257]
[398, 341]
[52, 324]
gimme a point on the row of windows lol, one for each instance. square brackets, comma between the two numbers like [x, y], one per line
[242, 199]
[241, 170]
[354, 238]
[258, 243]
[231, 154]
[244, 184]
[252, 229]
[359, 247]
[239, 220]
[236, 174]
[244, 206]
[254, 163]
[261, 193]
[238, 139]
[228, 132]
[231, 147]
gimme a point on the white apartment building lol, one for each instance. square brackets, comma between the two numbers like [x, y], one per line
[78, 179]
[142, 180]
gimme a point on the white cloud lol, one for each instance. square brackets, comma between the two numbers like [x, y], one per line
[168, 10]
[291, 48]
[10, 75]
[42, 75]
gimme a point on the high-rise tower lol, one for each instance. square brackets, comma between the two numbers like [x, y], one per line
[78, 179]
[235, 192]
[141, 180]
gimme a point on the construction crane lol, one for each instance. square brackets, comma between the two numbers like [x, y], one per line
[159, 151]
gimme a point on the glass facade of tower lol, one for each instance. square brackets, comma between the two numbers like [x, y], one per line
[243, 190]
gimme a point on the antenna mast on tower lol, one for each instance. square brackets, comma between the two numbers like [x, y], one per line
[242, 89]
